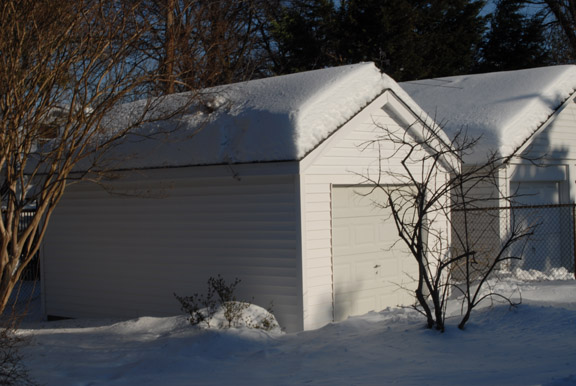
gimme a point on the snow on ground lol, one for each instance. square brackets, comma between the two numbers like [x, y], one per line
[532, 344]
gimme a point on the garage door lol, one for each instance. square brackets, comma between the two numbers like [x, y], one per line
[543, 250]
[372, 270]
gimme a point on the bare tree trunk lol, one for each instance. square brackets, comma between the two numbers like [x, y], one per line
[170, 55]
[65, 68]
[565, 13]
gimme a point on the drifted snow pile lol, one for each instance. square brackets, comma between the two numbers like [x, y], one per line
[552, 274]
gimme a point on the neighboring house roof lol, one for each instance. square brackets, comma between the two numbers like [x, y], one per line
[281, 118]
[503, 109]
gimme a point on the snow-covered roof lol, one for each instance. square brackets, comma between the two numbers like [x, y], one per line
[503, 109]
[274, 119]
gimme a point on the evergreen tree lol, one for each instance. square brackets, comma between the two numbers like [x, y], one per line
[407, 39]
[380, 31]
[303, 32]
[449, 35]
[514, 41]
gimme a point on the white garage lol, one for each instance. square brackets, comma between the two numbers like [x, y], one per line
[527, 117]
[265, 191]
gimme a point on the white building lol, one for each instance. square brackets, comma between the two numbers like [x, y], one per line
[530, 114]
[262, 185]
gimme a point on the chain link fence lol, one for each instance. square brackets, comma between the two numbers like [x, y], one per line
[28, 287]
[548, 252]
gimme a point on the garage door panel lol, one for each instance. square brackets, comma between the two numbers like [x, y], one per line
[387, 229]
[365, 234]
[355, 232]
[341, 237]
[343, 274]
[358, 302]
[369, 270]
[543, 251]
[357, 250]
[370, 266]
[370, 288]
[343, 309]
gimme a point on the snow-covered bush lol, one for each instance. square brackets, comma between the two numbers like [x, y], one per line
[219, 308]
[250, 316]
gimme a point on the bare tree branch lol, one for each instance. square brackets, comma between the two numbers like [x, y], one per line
[65, 67]
[430, 198]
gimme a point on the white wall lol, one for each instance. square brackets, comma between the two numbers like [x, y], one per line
[553, 145]
[165, 231]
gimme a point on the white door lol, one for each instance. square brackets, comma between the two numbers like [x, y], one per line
[372, 268]
[543, 250]
[536, 193]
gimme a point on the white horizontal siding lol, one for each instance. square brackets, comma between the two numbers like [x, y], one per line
[125, 256]
[557, 141]
[484, 191]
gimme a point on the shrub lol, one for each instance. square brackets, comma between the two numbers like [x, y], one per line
[12, 370]
[220, 297]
